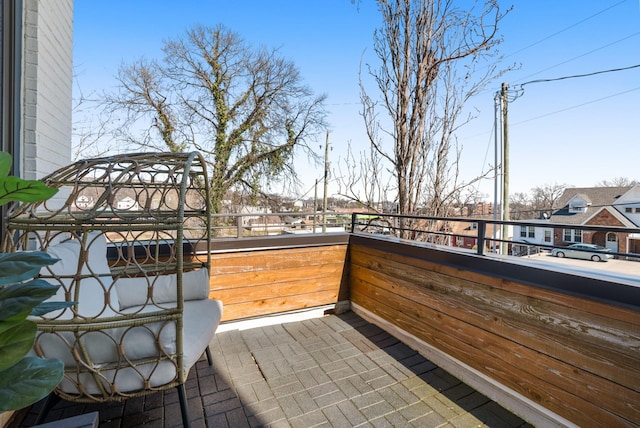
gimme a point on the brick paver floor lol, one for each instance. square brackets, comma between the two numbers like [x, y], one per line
[334, 371]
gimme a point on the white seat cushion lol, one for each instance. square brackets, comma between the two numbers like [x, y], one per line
[92, 292]
[201, 319]
[126, 345]
[162, 288]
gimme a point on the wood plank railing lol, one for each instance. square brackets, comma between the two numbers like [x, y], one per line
[263, 276]
[552, 346]
[574, 355]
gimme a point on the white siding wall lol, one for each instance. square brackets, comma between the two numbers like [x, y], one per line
[631, 200]
[47, 74]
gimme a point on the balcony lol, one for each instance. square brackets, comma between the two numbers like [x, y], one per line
[406, 333]
[338, 370]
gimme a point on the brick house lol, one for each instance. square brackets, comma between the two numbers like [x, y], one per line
[465, 235]
[599, 206]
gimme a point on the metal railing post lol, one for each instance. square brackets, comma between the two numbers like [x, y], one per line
[482, 227]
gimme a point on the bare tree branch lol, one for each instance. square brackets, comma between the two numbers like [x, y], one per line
[245, 109]
[434, 57]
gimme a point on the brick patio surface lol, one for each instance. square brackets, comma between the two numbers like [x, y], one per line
[333, 371]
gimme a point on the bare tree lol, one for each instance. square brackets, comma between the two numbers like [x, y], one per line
[544, 197]
[467, 200]
[520, 206]
[368, 189]
[245, 109]
[617, 182]
[434, 56]
[90, 127]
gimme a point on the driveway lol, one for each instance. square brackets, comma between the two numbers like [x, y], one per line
[626, 271]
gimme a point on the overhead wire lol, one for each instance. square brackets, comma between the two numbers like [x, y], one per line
[562, 31]
[520, 87]
[519, 90]
[574, 76]
[566, 28]
[575, 106]
[583, 55]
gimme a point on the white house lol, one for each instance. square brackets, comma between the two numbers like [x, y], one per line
[127, 203]
[628, 204]
[539, 235]
[84, 202]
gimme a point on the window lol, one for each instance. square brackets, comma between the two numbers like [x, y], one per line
[578, 207]
[547, 236]
[628, 210]
[577, 236]
[572, 235]
[637, 210]
[527, 232]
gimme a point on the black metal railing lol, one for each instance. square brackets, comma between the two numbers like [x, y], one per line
[254, 224]
[480, 235]
[496, 236]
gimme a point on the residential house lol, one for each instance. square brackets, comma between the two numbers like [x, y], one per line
[128, 203]
[599, 206]
[84, 202]
[537, 235]
[465, 234]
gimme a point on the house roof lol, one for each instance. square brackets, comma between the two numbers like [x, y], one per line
[582, 196]
[598, 197]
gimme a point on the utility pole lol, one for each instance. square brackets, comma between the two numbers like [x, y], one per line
[326, 184]
[315, 205]
[505, 166]
[497, 176]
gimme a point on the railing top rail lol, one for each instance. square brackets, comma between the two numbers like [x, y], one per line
[530, 222]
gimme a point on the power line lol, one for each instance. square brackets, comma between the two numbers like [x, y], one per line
[584, 54]
[574, 76]
[519, 91]
[566, 28]
[576, 106]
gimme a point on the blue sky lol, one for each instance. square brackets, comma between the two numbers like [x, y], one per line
[576, 131]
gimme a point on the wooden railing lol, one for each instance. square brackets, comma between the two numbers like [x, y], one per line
[553, 347]
[538, 337]
[264, 276]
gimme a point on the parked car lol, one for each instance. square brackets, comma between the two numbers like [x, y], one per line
[583, 251]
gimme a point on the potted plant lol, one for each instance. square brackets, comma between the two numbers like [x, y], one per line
[24, 379]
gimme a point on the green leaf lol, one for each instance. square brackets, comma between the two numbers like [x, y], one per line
[16, 339]
[16, 189]
[29, 381]
[46, 307]
[18, 300]
[21, 265]
[5, 164]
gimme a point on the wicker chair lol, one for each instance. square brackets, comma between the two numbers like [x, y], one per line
[132, 233]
